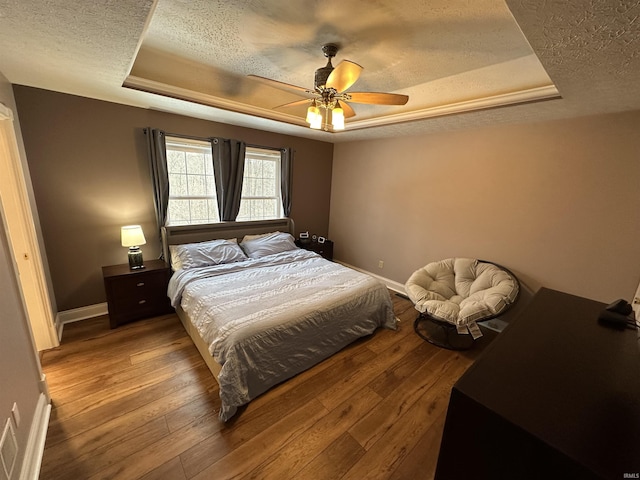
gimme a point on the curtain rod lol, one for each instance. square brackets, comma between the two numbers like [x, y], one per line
[202, 139]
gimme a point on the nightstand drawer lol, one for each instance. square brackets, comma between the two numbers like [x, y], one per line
[324, 249]
[137, 301]
[139, 287]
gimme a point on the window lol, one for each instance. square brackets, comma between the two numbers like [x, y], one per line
[261, 196]
[192, 189]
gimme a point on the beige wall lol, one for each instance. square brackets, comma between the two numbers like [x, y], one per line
[90, 176]
[555, 202]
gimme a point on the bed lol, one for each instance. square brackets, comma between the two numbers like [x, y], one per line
[260, 320]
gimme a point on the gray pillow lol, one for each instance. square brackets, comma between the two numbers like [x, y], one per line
[256, 246]
[204, 254]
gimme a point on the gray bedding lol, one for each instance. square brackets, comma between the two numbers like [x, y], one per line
[268, 319]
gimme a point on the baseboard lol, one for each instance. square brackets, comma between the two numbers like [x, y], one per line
[35, 444]
[77, 314]
[391, 285]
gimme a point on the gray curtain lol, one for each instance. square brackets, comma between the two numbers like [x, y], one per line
[286, 179]
[157, 150]
[228, 164]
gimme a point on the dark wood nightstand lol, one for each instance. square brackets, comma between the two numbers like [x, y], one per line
[136, 294]
[325, 249]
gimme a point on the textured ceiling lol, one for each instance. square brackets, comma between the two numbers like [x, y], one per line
[446, 55]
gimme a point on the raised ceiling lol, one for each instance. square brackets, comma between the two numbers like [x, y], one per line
[440, 53]
[192, 57]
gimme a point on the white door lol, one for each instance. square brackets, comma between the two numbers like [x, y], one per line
[22, 236]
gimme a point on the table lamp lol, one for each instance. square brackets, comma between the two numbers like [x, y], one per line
[133, 237]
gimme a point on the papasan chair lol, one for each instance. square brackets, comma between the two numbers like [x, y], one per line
[452, 295]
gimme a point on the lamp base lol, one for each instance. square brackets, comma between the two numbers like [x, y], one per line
[135, 258]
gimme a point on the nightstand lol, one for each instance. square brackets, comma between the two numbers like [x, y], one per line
[136, 294]
[325, 249]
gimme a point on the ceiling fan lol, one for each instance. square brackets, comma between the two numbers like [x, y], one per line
[329, 92]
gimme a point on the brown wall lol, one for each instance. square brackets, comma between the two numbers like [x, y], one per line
[556, 202]
[90, 176]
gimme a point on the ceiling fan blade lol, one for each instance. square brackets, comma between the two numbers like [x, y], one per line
[377, 98]
[343, 76]
[348, 110]
[281, 85]
[295, 104]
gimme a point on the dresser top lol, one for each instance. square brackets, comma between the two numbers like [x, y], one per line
[123, 269]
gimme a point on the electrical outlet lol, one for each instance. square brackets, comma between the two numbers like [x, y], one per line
[380, 264]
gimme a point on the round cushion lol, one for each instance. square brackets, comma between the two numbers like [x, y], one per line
[462, 290]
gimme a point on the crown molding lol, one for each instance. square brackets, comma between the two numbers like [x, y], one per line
[547, 92]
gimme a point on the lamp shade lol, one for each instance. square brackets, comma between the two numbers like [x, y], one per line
[132, 236]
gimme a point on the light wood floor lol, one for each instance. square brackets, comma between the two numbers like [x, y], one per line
[138, 402]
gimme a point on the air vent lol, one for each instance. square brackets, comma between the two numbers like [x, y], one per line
[8, 450]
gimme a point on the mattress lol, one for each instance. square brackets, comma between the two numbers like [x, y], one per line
[267, 319]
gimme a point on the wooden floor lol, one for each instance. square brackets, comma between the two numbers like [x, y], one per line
[138, 402]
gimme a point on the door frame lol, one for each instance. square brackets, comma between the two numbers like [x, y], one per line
[22, 237]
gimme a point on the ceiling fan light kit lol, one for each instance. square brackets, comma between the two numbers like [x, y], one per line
[329, 93]
[337, 117]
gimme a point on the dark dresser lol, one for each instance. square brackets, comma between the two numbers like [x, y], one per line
[555, 396]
